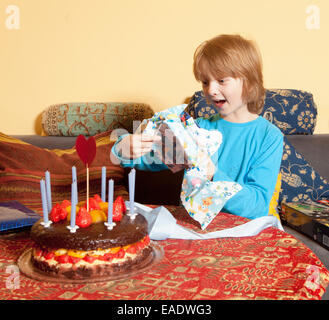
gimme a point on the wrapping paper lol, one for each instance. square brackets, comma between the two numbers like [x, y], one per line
[191, 147]
[179, 129]
[170, 150]
[162, 225]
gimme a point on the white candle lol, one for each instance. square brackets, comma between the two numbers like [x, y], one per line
[103, 195]
[75, 193]
[73, 205]
[46, 221]
[74, 174]
[110, 199]
[48, 191]
[73, 227]
[131, 178]
[110, 224]
[75, 179]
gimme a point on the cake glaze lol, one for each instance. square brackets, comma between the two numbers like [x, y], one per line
[57, 235]
[91, 252]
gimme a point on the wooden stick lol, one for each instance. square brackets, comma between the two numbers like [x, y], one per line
[87, 188]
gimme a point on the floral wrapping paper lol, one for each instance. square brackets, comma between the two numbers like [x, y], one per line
[201, 197]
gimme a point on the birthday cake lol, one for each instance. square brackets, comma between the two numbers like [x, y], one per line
[93, 250]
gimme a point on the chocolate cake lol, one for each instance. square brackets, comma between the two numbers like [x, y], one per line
[90, 252]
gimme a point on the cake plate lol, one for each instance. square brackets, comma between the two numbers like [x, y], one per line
[25, 265]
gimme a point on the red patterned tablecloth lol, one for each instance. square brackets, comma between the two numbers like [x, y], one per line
[271, 265]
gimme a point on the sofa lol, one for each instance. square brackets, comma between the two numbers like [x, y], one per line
[304, 169]
[163, 188]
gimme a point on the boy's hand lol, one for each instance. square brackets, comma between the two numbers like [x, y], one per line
[136, 145]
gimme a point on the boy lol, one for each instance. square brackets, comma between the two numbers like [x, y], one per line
[230, 70]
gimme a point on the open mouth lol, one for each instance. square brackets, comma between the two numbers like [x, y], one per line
[219, 103]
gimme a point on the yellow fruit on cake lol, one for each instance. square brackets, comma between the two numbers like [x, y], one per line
[81, 203]
[115, 249]
[98, 216]
[104, 206]
[60, 252]
[68, 209]
[76, 253]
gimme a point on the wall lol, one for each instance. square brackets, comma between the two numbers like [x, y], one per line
[142, 50]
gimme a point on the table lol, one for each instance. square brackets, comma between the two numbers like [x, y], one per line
[271, 265]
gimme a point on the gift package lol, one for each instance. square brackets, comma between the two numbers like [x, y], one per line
[186, 146]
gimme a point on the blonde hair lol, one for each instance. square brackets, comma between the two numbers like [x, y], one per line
[236, 57]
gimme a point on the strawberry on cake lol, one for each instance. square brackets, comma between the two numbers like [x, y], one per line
[93, 251]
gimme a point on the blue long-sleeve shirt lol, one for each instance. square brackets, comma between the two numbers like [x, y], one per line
[250, 154]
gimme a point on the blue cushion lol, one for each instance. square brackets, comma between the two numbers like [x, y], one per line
[292, 111]
[300, 181]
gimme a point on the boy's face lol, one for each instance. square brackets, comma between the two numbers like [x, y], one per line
[226, 95]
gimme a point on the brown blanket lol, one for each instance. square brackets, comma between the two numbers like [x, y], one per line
[22, 166]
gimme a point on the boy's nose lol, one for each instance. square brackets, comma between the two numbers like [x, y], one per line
[213, 88]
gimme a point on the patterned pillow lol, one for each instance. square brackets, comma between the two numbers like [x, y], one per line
[72, 119]
[300, 181]
[23, 165]
[292, 111]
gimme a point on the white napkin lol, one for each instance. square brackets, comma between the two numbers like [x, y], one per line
[162, 225]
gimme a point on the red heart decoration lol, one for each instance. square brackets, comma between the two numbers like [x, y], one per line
[86, 149]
